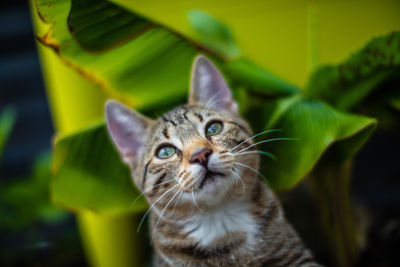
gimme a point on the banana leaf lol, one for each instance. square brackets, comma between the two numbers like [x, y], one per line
[313, 129]
[89, 175]
[133, 59]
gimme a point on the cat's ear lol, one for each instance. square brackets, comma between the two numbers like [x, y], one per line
[209, 88]
[128, 130]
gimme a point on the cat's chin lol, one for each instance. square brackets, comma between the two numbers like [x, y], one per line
[213, 189]
[210, 177]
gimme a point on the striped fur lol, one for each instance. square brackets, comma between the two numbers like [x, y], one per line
[230, 219]
[244, 227]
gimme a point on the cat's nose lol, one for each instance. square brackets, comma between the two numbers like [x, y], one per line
[200, 156]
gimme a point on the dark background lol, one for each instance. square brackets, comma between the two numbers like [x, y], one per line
[21, 85]
[375, 187]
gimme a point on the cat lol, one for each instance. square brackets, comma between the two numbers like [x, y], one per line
[196, 166]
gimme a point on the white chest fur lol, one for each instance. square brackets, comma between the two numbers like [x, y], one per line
[232, 217]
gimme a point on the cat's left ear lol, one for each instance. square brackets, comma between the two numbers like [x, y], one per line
[209, 88]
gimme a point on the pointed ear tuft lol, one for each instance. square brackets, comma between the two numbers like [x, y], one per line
[128, 130]
[209, 88]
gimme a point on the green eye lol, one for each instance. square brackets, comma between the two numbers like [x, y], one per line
[214, 129]
[166, 152]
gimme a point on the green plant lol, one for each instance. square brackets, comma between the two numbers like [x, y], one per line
[7, 120]
[27, 200]
[146, 66]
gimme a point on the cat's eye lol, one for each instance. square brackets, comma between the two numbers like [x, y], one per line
[166, 152]
[214, 128]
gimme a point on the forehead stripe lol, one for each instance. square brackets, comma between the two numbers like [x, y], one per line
[185, 113]
[168, 120]
[165, 133]
[199, 116]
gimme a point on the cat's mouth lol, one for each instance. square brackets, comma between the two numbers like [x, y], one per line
[210, 176]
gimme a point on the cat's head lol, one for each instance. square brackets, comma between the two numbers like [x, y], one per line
[190, 155]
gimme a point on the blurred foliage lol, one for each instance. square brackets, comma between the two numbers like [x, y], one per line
[104, 26]
[147, 66]
[7, 120]
[90, 175]
[136, 60]
[317, 128]
[128, 49]
[244, 73]
[396, 103]
[26, 200]
[152, 58]
[351, 84]
[298, 117]
[288, 38]
[213, 34]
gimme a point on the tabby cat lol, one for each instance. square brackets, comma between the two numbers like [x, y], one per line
[196, 166]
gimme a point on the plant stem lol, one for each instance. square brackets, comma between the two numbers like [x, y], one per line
[110, 241]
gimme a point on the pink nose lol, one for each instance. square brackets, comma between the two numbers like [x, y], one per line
[200, 156]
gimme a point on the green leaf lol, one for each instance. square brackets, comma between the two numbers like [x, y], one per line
[244, 72]
[140, 64]
[346, 85]
[134, 60]
[113, 25]
[316, 128]
[213, 34]
[396, 103]
[89, 175]
[7, 121]
[26, 200]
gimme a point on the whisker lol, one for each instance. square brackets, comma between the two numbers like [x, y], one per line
[152, 205]
[173, 211]
[195, 203]
[272, 156]
[241, 180]
[215, 102]
[254, 136]
[147, 191]
[162, 212]
[169, 202]
[252, 169]
[210, 101]
[267, 141]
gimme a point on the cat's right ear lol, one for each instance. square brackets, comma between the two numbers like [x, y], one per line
[128, 130]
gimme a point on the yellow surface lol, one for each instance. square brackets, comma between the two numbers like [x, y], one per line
[287, 38]
[75, 103]
[111, 242]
